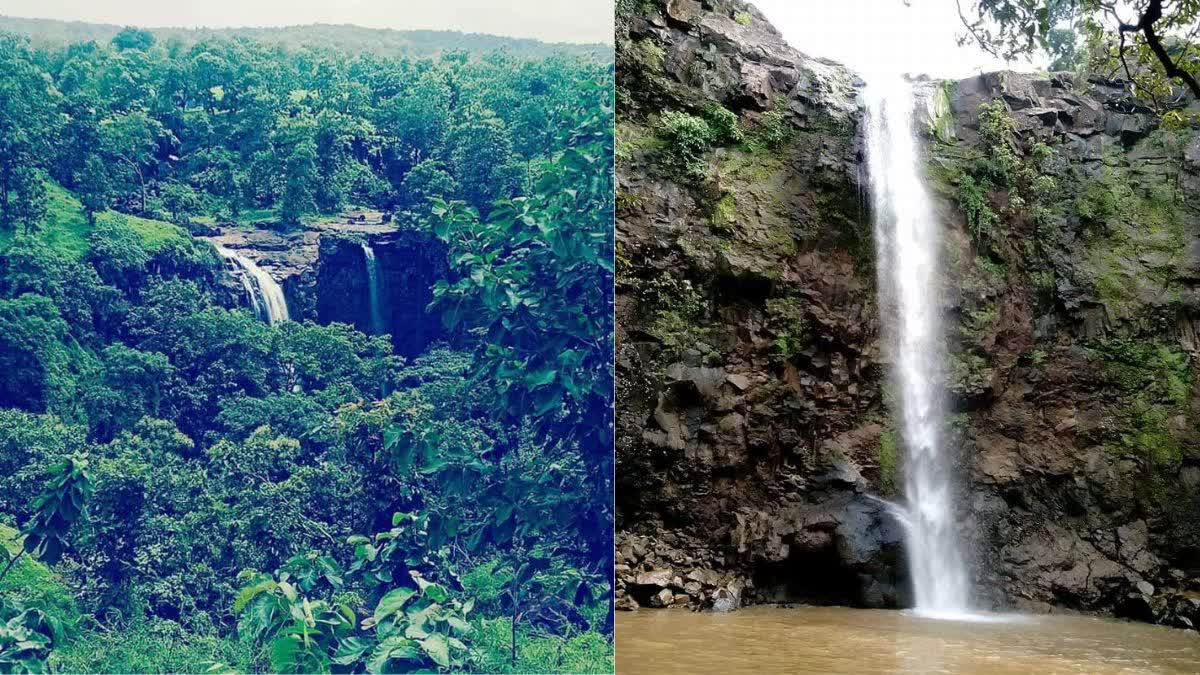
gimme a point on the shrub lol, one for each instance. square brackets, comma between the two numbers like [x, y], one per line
[687, 138]
[723, 124]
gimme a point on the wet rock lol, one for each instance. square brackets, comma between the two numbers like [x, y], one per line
[663, 598]
[726, 600]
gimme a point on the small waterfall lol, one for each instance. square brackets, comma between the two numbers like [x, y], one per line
[908, 240]
[378, 326]
[266, 296]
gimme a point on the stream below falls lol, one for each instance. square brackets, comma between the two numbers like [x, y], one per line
[843, 640]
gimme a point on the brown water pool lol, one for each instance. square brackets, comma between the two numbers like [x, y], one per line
[843, 640]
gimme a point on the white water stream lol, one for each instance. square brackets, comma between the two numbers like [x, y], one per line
[266, 296]
[378, 326]
[908, 239]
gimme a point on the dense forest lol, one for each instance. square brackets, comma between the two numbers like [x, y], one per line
[184, 487]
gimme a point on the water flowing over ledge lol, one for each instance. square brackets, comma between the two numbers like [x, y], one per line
[266, 295]
[907, 240]
[378, 325]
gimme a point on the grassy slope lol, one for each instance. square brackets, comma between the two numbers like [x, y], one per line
[66, 229]
[32, 581]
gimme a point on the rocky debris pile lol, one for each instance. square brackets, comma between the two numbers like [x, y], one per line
[674, 570]
[1105, 567]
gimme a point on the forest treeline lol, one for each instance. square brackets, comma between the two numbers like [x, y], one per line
[236, 129]
[185, 488]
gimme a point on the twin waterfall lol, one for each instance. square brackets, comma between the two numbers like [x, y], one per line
[908, 240]
[266, 296]
[270, 305]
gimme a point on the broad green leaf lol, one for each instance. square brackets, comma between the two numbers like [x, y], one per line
[392, 602]
[437, 648]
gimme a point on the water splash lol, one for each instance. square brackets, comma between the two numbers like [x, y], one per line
[907, 240]
[266, 296]
[378, 326]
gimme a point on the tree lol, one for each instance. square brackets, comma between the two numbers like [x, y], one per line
[535, 276]
[1149, 40]
[300, 173]
[130, 138]
[133, 38]
[426, 181]
[180, 200]
[27, 122]
[94, 188]
[26, 202]
[482, 158]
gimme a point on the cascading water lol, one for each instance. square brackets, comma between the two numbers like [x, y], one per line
[266, 296]
[907, 240]
[378, 326]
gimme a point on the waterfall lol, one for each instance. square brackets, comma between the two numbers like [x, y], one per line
[907, 240]
[378, 326]
[266, 296]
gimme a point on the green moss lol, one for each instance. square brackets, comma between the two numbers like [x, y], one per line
[675, 311]
[743, 18]
[1147, 435]
[631, 138]
[1155, 380]
[1156, 370]
[969, 373]
[838, 209]
[751, 167]
[887, 461]
[788, 320]
[724, 211]
[1134, 239]
[774, 128]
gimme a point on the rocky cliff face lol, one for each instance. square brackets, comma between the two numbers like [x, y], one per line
[323, 272]
[409, 261]
[754, 427]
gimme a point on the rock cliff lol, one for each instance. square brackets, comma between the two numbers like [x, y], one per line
[323, 271]
[755, 431]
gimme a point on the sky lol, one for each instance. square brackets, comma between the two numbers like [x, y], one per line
[883, 35]
[546, 20]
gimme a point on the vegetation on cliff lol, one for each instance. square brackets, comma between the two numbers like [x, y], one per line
[185, 488]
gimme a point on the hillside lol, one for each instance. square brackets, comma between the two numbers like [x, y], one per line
[66, 229]
[382, 41]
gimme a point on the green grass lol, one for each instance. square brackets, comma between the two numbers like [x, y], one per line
[158, 646]
[246, 217]
[34, 584]
[66, 230]
[587, 652]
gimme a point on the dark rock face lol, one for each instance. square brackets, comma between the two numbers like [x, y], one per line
[409, 262]
[747, 359]
[753, 427]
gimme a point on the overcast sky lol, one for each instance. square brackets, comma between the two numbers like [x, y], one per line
[882, 35]
[547, 20]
